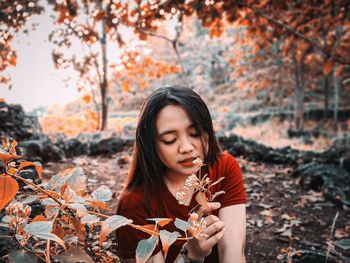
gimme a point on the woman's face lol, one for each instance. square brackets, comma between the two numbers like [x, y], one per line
[178, 143]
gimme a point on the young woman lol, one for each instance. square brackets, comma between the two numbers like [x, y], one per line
[174, 129]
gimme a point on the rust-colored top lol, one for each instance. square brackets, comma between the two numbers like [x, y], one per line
[165, 205]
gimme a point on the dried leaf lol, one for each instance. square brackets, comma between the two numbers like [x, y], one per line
[8, 189]
[99, 205]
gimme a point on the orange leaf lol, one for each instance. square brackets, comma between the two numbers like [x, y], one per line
[13, 61]
[338, 71]
[5, 158]
[58, 231]
[160, 221]
[328, 66]
[79, 228]
[99, 204]
[13, 145]
[87, 99]
[39, 218]
[8, 189]
[37, 166]
[126, 86]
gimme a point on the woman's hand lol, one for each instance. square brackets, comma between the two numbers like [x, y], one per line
[201, 245]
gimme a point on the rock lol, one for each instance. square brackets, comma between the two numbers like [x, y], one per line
[16, 124]
[73, 147]
[42, 150]
[251, 150]
[332, 180]
[110, 145]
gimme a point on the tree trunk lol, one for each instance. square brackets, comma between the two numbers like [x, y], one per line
[325, 96]
[337, 87]
[298, 94]
[103, 83]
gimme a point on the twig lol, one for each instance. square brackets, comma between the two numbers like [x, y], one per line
[331, 236]
[37, 187]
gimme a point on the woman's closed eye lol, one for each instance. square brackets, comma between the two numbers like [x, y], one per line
[168, 142]
[194, 134]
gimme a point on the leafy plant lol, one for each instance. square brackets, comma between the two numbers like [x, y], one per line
[73, 226]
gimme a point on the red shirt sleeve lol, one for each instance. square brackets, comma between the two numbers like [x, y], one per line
[229, 168]
[132, 207]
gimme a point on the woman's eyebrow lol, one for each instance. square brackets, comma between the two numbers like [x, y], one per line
[174, 131]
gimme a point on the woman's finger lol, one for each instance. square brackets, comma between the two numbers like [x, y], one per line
[214, 239]
[214, 228]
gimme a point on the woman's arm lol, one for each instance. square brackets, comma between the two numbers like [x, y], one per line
[231, 246]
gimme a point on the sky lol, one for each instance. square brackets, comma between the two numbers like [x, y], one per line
[35, 80]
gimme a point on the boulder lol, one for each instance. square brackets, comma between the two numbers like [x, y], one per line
[42, 150]
[73, 147]
[110, 145]
[332, 180]
[254, 151]
[16, 124]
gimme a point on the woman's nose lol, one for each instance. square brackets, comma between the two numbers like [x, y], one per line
[186, 146]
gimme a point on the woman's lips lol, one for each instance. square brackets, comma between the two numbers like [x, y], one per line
[188, 162]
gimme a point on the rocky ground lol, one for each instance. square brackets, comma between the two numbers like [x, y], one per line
[283, 219]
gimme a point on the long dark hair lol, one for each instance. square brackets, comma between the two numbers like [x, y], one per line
[146, 167]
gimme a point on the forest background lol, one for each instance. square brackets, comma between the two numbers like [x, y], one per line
[274, 74]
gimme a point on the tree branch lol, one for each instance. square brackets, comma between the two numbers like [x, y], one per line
[294, 33]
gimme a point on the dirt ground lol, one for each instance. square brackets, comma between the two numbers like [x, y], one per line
[284, 222]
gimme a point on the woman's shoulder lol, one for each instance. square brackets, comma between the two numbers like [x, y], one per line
[227, 165]
[226, 159]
